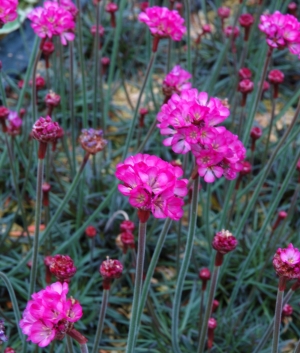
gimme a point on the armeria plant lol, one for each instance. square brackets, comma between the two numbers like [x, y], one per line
[150, 169]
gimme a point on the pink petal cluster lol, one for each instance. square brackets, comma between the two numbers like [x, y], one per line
[51, 20]
[189, 121]
[176, 81]
[163, 23]
[8, 11]
[224, 242]
[14, 124]
[153, 185]
[282, 31]
[69, 6]
[286, 262]
[50, 314]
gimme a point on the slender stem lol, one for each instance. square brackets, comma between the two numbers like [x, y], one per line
[169, 55]
[178, 246]
[150, 271]
[185, 265]
[72, 112]
[188, 26]
[137, 287]
[277, 319]
[297, 349]
[270, 328]
[133, 123]
[14, 301]
[34, 92]
[270, 130]
[149, 134]
[84, 348]
[208, 309]
[69, 344]
[96, 65]
[38, 207]
[101, 320]
[82, 64]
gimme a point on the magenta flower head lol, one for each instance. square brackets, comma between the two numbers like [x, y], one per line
[4, 113]
[112, 8]
[286, 262]
[204, 275]
[8, 11]
[223, 243]
[50, 315]
[109, 270]
[292, 9]
[52, 100]
[223, 12]
[232, 31]
[245, 87]
[206, 28]
[276, 77]
[152, 185]
[44, 130]
[90, 231]
[245, 73]
[62, 267]
[9, 350]
[163, 23]
[282, 31]
[14, 124]
[255, 134]
[92, 140]
[212, 324]
[287, 310]
[48, 48]
[100, 30]
[266, 86]
[53, 19]
[69, 6]
[127, 226]
[127, 239]
[246, 20]
[176, 81]
[144, 5]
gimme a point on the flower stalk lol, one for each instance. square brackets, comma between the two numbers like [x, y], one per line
[278, 313]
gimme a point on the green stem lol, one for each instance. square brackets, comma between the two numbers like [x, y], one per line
[188, 37]
[96, 66]
[38, 208]
[34, 92]
[277, 319]
[151, 268]
[269, 131]
[139, 270]
[82, 64]
[297, 349]
[169, 55]
[184, 266]
[101, 320]
[72, 110]
[14, 301]
[133, 123]
[84, 348]
[208, 309]
[69, 344]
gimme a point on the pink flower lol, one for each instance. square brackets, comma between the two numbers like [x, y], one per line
[100, 30]
[14, 123]
[232, 31]
[246, 86]
[282, 31]
[276, 76]
[286, 262]
[109, 270]
[153, 185]
[8, 11]
[245, 73]
[50, 314]
[53, 20]
[223, 12]
[287, 310]
[246, 20]
[224, 242]
[176, 81]
[163, 23]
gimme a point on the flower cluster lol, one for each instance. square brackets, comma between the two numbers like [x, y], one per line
[14, 124]
[282, 31]
[92, 140]
[62, 267]
[286, 262]
[176, 81]
[3, 337]
[153, 185]
[189, 122]
[8, 11]
[224, 242]
[109, 270]
[51, 20]
[50, 314]
[127, 236]
[163, 23]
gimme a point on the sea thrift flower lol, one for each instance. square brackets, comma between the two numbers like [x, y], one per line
[287, 310]
[9, 350]
[255, 134]
[143, 112]
[163, 23]
[8, 11]
[69, 6]
[109, 270]
[90, 231]
[247, 167]
[62, 267]
[14, 124]
[51, 315]
[53, 20]
[206, 28]
[112, 8]
[223, 12]
[176, 81]
[204, 275]
[223, 243]
[276, 77]
[127, 239]
[215, 305]
[92, 141]
[152, 185]
[282, 31]
[144, 5]
[245, 73]
[127, 226]
[52, 100]
[44, 130]
[280, 217]
[246, 20]
[266, 86]
[46, 189]
[286, 262]
[212, 324]
[232, 31]
[245, 87]
[292, 9]
[100, 30]
[47, 49]
[3, 337]
[4, 113]
[105, 61]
